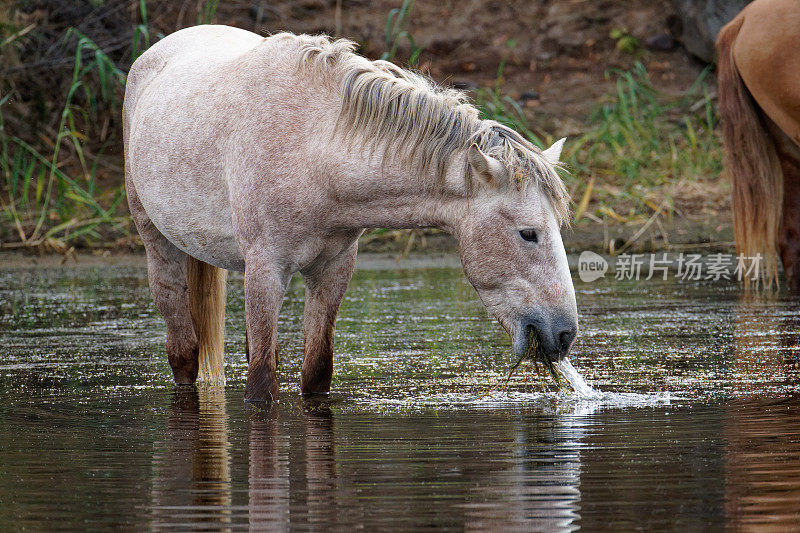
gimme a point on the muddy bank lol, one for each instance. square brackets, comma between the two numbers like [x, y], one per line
[440, 249]
[366, 260]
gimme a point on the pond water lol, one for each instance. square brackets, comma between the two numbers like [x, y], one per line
[697, 426]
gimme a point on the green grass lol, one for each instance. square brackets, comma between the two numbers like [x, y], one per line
[642, 141]
[42, 205]
[54, 199]
[635, 145]
[397, 30]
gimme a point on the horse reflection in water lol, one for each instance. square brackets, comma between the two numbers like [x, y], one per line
[269, 475]
[310, 469]
[274, 491]
[547, 493]
[192, 484]
[761, 486]
[363, 483]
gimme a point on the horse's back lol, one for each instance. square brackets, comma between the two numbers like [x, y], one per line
[767, 54]
[198, 47]
[174, 153]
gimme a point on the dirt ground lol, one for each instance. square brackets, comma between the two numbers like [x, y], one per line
[557, 51]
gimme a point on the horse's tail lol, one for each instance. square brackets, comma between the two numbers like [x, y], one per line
[207, 301]
[752, 163]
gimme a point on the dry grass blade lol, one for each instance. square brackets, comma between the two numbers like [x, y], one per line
[584, 203]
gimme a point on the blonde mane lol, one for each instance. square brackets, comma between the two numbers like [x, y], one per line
[407, 115]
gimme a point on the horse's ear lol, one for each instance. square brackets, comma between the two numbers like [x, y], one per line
[553, 154]
[487, 169]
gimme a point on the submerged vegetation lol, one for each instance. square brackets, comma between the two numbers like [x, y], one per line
[539, 362]
[61, 183]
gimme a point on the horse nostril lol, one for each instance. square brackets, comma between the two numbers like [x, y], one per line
[565, 338]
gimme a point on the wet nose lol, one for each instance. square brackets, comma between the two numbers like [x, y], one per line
[555, 334]
[565, 339]
[564, 331]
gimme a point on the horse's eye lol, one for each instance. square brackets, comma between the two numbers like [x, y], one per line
[529, 235]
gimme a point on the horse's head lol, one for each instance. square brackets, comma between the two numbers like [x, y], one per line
[510, 241]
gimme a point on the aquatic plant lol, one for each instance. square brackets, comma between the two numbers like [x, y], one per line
[544, 367]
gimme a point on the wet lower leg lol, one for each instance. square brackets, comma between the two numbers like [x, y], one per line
[182, 352]
[789, 245]
[325, 290]
[170, 294]
[166, 270]
[318, 359]
[263, 297]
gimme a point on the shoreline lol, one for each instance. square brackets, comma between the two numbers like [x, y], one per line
[705, 236]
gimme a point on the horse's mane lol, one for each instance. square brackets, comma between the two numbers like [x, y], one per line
[405, 113]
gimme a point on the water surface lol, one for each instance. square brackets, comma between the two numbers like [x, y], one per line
[698, 425]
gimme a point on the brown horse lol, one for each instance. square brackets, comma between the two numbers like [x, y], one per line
[759, 101]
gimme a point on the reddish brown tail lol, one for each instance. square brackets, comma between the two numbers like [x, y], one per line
[207, 301]
[751, 161]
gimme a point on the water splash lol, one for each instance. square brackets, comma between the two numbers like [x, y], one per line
[576, 381]
[592, 397]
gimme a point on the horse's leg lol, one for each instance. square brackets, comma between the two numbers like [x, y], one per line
[789, 244]
[166, 269]
[325, 288]
[263, 293]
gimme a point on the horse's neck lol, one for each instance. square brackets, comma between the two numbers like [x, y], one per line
[389, 194]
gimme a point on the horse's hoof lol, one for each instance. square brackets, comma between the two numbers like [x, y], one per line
[184, 378]
[260, 390]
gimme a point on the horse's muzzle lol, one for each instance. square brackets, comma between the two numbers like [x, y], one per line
[554, 334]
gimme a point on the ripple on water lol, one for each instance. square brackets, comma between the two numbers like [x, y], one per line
[692, 421]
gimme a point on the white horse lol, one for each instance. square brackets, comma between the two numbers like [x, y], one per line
[272, 155]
